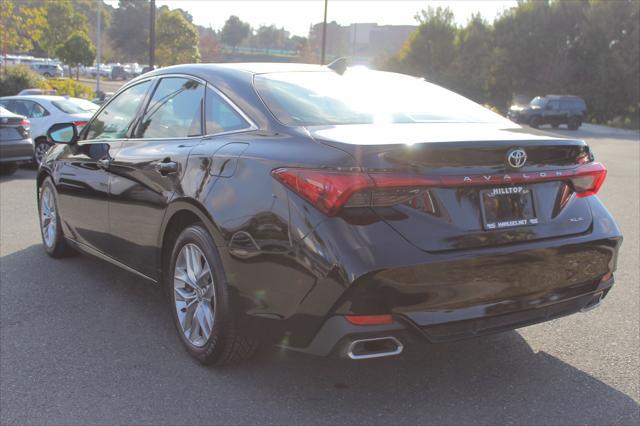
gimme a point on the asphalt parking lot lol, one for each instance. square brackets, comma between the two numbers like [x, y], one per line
[82, 342]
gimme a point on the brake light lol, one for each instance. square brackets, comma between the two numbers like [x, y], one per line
[329, 191]
[25, 123]
[80, 124]
[588, 179]
[369, 319]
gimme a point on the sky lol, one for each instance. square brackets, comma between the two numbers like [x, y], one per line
[297, 15]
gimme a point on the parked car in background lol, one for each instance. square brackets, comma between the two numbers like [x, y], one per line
[146, 69]
[16, 145]
[291, 204]
[102, 97]
[37, 92]
[550, 109]
[48, 70]
[44, 111]
[119, 72]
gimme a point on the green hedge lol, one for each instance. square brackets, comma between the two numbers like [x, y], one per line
[19, 77]
[66, 86]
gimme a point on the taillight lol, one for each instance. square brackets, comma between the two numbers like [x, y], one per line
[80, 124]
[369, 319]
[25, 123]
[588, 179]
[329, 191]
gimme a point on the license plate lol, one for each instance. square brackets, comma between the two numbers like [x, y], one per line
[507, 207]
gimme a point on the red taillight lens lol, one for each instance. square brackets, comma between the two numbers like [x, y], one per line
[80, 124]
[331, 190]
[369, 319]
[25, 123]
[326, 190]
[588, 179]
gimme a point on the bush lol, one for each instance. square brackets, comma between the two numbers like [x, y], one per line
[20, 77]
[66, 86]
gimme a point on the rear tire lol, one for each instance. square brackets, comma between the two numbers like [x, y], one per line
[7, 169]
[50, 224]
[200, 301]
[40, 151]
[573, 123]
[534, 122]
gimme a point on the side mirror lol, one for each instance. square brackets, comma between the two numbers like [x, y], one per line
[63, 133]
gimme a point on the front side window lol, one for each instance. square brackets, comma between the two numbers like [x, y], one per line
[174, 111]
[362, 96]
[220, 116]
[114, 121]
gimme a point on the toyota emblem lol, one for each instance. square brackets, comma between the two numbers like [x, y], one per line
[516, 157]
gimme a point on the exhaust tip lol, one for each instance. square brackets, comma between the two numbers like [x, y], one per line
[593, 303]
[374, 348]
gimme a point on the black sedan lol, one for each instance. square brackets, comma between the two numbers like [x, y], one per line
[16, 146]
[328, 211]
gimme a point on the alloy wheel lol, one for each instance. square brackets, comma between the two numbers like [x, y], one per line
[194, 294]
[40, 152]
[48, 218]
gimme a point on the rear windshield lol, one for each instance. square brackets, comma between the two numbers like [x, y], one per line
[73, 107]
[362, 96]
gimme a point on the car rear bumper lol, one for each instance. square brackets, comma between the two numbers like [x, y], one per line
[338, 336]
[16, 151]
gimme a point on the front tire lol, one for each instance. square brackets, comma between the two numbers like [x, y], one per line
[50, 224]
[201, 302]
[574, 123]
[534, 122]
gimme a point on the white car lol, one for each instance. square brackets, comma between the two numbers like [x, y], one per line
[44, 111]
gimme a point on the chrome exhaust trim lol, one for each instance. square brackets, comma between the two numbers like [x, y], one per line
[366, 348]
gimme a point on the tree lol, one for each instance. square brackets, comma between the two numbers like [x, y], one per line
[77, 50]
[62, 21]
[129, 30]
[22, 25]
[177, 39]
[429, 51]
[472, 66]
[209, 46]
[234, 32]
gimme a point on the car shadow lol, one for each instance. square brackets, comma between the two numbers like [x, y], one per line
[105, 337]
[23, 173]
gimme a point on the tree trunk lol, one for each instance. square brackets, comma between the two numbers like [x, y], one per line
[77, 72]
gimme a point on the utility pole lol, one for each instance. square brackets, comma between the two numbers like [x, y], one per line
[98, 47]
[324, 33]
[152, 35]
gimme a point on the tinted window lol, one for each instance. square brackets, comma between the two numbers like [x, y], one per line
[565, 105]
[175, 110]
[361, 96]
[220, 116]
[27, 108]
[114, 121]
[554, 105]
[68, 107]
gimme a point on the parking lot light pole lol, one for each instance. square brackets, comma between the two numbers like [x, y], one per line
[324, 33]
[152, 34]
[98, 49]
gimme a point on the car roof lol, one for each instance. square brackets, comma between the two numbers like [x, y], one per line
[37, 97]
[563, 96]
[237, 68]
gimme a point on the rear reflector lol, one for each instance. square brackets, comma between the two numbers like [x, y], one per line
[331, 190]
[369, 319]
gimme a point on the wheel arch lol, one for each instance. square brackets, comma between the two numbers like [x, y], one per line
[180, 214]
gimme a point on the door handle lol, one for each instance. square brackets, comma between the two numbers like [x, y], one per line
[104, 163]
[166, 167]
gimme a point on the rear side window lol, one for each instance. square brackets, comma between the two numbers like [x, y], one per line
[114, 121]
[174, 111]
[220, 116]
[29, 109]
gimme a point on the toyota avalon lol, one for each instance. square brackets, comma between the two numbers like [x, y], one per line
[328, 210]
